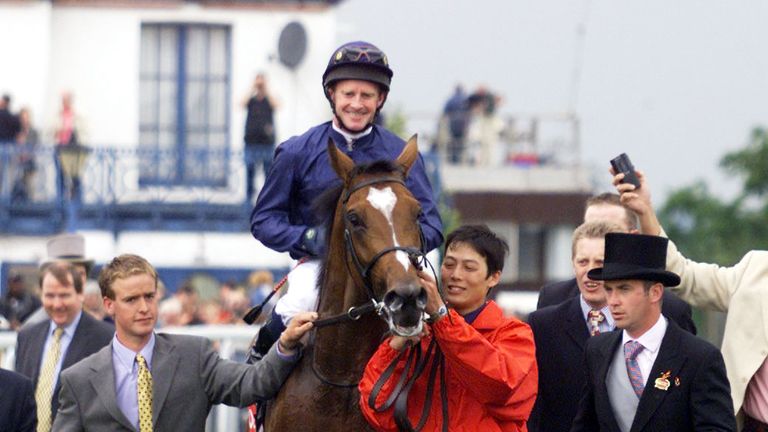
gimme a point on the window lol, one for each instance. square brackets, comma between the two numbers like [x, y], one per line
[184, 100]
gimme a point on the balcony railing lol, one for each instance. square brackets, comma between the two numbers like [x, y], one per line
[44, 190]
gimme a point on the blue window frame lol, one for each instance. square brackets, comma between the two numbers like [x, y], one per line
[184, 104]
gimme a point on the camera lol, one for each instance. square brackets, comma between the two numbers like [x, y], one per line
[622, 164]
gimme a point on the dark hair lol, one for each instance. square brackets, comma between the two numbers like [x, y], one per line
[122, 267]
[484, 241]
[62, 271]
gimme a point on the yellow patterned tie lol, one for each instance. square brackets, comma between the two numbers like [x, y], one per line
[144, 391]
[44, 390]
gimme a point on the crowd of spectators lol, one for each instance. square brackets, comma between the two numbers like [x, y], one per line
[184, 306]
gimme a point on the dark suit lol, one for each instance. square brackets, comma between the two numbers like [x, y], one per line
[187, 378]
[672, 307]
[698, 398]
[90, 336]
[17, 403]
[560, 333]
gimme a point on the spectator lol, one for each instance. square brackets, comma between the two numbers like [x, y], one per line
[9, 123]
[652, 375]
[259, 131]
[484, 129]
[170, 313]
[18, 303]
[9, 127]
[68, 134]
[26, 140]
[92, 302]
[454, 121]
[260, 285]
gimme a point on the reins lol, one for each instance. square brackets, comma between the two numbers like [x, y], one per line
[401, 391]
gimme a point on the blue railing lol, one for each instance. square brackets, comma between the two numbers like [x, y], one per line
[129, 189]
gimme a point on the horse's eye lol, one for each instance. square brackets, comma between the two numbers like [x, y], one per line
[355, 220]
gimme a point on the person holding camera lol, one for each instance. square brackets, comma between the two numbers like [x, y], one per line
[739, 290]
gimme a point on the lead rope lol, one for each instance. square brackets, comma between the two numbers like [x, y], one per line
[399, 395]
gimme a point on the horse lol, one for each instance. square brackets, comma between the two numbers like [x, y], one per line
[373, 248]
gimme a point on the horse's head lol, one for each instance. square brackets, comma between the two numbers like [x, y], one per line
[379, 219]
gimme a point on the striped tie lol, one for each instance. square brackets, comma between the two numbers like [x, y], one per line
[144, 393]
[595, 318]
[631, 350]
[44, 390]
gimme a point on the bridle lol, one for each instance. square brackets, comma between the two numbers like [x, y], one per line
[363, 272]
[417, 256]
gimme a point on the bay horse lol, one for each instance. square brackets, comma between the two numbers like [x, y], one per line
[373, 245]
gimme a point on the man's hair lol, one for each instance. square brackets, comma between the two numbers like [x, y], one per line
[608, 198]
[122, 267]
[593, 230]
[484, 241]
[62, 271]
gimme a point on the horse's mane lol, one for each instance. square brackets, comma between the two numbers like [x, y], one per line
[324, 207]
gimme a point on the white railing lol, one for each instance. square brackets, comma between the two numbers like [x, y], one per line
[228, 340]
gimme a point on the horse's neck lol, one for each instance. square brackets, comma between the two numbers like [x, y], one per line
[342, 350]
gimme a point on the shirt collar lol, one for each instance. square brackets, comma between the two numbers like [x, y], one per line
[350, 137]
[585, 308]
[69, 330]
[470, 317]
[650, 340]
[127, 356]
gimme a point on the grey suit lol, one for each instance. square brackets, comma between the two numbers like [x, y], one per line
[187, 378]
[90, 336]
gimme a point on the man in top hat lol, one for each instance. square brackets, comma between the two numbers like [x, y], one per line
[651, 375]
[67, 335]
[68, 247]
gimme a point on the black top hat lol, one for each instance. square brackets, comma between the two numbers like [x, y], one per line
[635, 256]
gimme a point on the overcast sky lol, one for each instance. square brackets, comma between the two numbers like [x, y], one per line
[673, 84]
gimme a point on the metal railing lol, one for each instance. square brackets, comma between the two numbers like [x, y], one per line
[45, 190]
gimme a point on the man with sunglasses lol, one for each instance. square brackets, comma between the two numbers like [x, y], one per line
[356, 83]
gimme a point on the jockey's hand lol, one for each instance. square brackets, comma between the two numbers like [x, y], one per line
[299, 325]
[313, 241]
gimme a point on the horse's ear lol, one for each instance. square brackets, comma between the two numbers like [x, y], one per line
[340, 162]
[409, 154]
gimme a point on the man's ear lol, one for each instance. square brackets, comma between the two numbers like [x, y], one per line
[656, 292]
[109, 306]
[494, 279]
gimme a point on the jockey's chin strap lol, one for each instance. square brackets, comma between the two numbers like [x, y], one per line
[399, 395]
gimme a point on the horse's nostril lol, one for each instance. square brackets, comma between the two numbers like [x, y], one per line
[393, 301]
[421, 299]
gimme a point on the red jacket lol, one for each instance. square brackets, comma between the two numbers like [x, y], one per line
[490, 369]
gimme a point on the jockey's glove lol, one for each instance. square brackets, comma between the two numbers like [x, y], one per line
[313, 241]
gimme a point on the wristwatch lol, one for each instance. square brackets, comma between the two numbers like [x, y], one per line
[434, 317]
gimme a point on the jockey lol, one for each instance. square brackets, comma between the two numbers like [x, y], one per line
[356, 83]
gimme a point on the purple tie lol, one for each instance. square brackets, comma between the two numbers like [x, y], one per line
[631, 350]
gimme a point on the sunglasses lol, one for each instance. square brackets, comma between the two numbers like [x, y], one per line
[358, 54]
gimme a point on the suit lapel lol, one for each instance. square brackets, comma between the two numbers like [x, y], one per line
[79, 340]
[103, 382]
[576, 326]
[607, 350]
[668, 360]
[36, 349]
[164, 362]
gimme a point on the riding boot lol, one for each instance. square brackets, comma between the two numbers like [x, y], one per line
[269, 333]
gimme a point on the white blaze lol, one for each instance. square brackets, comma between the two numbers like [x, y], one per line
[384, 200]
